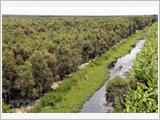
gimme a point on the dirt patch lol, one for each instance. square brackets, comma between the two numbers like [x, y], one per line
[23, 109]
[55, 85]
[85, 64]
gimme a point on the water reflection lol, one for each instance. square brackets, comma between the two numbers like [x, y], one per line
[97, 101]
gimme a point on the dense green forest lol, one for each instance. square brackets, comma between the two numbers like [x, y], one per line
[138, 92]
[37, 51]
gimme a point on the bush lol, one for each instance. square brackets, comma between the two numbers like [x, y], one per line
[5, 107]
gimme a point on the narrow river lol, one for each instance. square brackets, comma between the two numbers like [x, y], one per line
[97, 101]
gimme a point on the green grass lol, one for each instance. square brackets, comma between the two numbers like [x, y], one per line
[74, 91]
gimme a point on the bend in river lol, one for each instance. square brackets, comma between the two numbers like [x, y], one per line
[98, 99]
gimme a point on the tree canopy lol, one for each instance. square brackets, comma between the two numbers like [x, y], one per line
[37, 51]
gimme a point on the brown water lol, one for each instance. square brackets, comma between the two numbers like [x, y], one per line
[96, 103]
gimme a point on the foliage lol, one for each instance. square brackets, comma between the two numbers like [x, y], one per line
[38, 51]
[81, 85]
[143, 96]
[6, 107]
[117, 88]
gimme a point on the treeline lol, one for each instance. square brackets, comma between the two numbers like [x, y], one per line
[138, 93]
[38, 51]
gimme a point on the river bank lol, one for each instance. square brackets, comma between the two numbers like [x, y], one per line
[96, 104]
[138, 90]
[82, 84]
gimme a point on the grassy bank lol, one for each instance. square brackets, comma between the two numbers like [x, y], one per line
[74, 91]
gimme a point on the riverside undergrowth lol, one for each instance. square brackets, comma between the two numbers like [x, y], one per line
[74, 91]
[144, 98]
[141, 89]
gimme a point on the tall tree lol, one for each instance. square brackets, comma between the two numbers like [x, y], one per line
[25, 82]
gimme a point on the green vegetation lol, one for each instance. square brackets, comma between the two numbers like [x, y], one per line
[81, 85]
[6, 107]
[38, 51]
[138, 92]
